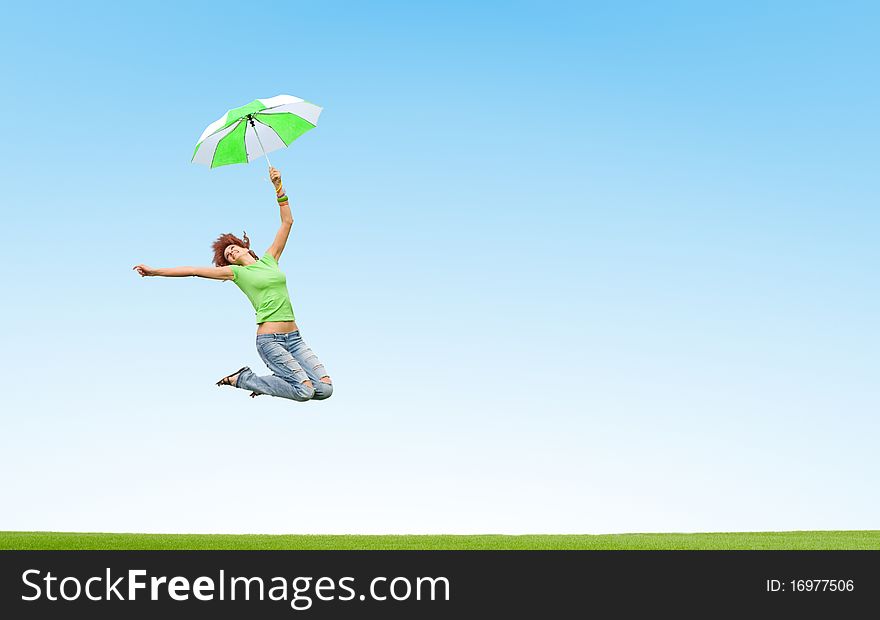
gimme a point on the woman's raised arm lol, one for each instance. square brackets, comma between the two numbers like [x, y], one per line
[283, 233]
[213, 273]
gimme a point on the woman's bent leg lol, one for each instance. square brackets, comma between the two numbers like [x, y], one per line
[312, 366]
[288, 379]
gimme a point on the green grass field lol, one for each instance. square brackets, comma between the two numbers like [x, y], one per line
[858, 539]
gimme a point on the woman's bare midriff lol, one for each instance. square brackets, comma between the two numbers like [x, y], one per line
[277, 327]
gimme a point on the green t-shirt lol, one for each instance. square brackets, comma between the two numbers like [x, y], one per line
[265, 285]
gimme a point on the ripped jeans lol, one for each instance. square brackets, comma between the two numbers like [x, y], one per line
[292, 362]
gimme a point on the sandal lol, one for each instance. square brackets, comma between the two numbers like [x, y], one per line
[227, 380]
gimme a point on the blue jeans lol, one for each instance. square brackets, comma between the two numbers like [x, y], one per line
[292, 363]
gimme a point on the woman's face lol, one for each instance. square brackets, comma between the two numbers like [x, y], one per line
[234, 253]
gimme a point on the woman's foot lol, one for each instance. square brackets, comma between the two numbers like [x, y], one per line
[233, 378]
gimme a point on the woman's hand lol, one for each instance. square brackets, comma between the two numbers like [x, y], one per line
[275, 177]
[145, 271]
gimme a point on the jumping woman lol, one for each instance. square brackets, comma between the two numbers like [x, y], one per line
[297, 373]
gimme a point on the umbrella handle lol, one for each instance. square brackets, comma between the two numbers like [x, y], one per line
[262, 148]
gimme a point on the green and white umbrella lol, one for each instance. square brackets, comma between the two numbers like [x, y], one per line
[262, 126]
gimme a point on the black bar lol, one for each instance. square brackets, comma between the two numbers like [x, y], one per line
[542, 584]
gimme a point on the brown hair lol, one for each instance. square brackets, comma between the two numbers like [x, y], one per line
[224, 241]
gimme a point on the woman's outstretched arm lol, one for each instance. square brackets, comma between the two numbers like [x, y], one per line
[283, 233]
[214, 273]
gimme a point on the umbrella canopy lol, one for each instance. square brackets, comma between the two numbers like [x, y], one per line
[262, 126]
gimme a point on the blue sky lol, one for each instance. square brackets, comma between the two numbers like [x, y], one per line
[574, 267]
